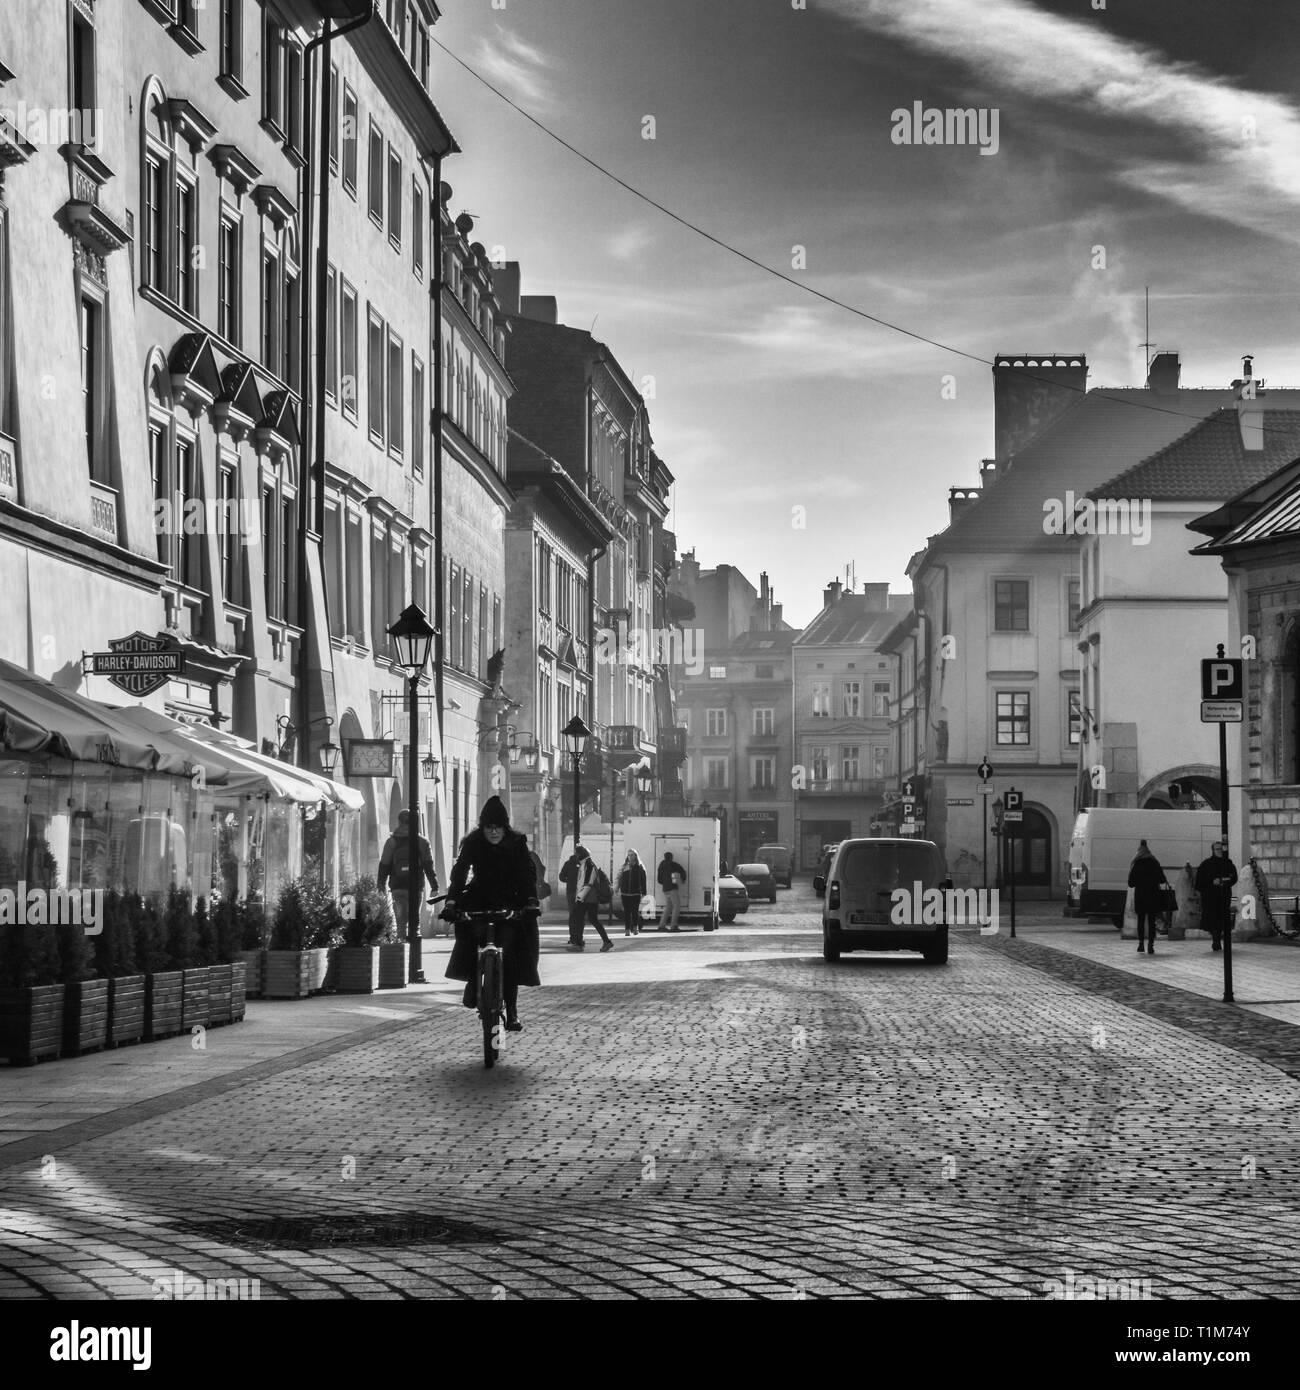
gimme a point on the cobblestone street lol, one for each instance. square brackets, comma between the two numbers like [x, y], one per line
[694, 1116]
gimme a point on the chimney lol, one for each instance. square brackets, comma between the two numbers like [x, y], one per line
[1029, 391]
[959, 500]
[1163, 374]
[540, 307]
[1250, 406]
[988, 471]
[505, 280]
[831, 595]
[777, 610]
[877, 596]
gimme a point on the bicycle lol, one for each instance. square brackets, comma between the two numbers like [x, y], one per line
[489, 976]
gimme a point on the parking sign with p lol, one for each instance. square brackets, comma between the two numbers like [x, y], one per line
[1221, 690]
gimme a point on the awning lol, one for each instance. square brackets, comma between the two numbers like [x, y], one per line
[243, 772]
[78, 728]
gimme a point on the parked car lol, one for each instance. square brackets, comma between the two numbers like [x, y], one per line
[759, 881]
[860, 913]
[824, 869]
[781, 861]
[732, 897]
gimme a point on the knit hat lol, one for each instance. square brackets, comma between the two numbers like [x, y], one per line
[494, 813]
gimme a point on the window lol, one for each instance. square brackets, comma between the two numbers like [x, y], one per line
[273, 74]
[880, 697]
[544, 577]
[715, 723]
[453, 612]
[294, 96]
[417, 228]
[228, 277]
[396, 419]
[420, 579]
[376, 190]
[715, 773]
[1072, 604]
[764, 721]
[821, 699]
[1075, 718]
[228, 513]
[1013, 717]
[334, 118]
[288, 556]
[852, 699]
[232, 39]
[717, 673]
[419, 423]
[289, 345]
[481, 639]
[467, 616]
[1083, 552]
[93, 387]
[333, 571]
[189, 570]
[819, 764]
[81, 121]
[496, 625]
[879, 761]
[850, 762]
[761, 673]
[158, 465]
[348, 350]
[763, 774]
[349, 135]
[270, 309]
[397, 577]
[187, 246]
[155, 222]
[381, 642]
[355, 577]
[394, 197]
[376, 398]
[1011, 605]
[331, 333]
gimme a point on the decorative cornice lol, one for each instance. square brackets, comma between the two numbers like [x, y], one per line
[233, 165]
[191, 124]
[273, 204]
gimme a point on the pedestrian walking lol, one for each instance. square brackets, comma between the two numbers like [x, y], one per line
[1214, 880]
[631, 889]
[1147, 880]
[495, 870]
[581, 878]
[543, 887]
[404, 865]
[671, 877]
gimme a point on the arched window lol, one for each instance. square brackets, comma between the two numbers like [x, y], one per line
[176, 467]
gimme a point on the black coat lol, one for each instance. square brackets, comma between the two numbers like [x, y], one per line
[667, 868]
[486, 876]
[1215, 913]
[631, 882]
[1146, 878]
[570, 874]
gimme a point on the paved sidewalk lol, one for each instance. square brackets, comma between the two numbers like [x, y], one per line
[1265, 972]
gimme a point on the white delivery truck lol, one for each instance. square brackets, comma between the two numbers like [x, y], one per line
[695, 843]
[1103, 844]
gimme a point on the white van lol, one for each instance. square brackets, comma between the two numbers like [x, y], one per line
[859, 913]
[1103, 844]
[694, 842]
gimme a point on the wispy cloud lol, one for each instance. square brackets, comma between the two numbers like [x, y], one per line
[518, 67]
[1217, 149]
[630, 242]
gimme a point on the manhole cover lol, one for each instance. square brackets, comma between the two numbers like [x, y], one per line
[318, 1232]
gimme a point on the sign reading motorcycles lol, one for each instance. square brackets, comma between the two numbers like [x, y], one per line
[139, 664]
[1221, 690]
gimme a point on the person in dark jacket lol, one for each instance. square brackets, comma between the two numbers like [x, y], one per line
[631, 889]
[579, 876]
[1146, 878]
[1214, 880]
[494, 870]
[671, 877]
[404, 866]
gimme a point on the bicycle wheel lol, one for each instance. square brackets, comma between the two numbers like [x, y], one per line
[489, 1005]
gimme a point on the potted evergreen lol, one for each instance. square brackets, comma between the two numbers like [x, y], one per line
[307, 924]
[189, 939]
[85, 999]
[393, 950]
[31, 993]
[253, 928]
[226, 988]
[367, 920]
[115, 960]
[164, 987]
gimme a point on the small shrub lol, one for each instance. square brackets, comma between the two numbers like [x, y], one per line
[181, 937]
[114, 947]
[28, 956]
[372, 922]
[150, 934]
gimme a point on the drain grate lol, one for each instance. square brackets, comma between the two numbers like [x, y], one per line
[363, 1228]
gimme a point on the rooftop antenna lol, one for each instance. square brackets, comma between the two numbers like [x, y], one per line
[1148, 344]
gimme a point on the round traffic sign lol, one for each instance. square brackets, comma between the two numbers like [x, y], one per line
[985, 770]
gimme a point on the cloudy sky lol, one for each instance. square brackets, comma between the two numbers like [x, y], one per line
[1165, 131]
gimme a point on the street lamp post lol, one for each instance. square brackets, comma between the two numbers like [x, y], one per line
[413, 636]
[577, 733]
[645, 780]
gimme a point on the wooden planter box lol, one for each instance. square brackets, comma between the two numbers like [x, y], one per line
[221, 983]
[237, 992]
[392, 966]
[355, 969]
[196, 1010]
[164, 995]
[125, 1010]
[286, 974]
[254, 972]
[85, 1017]
[31, 1023]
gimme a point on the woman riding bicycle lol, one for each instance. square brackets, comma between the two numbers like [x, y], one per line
[495, 870]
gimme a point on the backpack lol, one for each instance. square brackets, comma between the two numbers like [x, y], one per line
[604, 893]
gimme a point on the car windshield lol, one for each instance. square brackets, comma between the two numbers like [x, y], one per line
[887, 865]
[758, 870]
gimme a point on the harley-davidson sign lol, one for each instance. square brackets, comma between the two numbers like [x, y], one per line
[139, 664]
